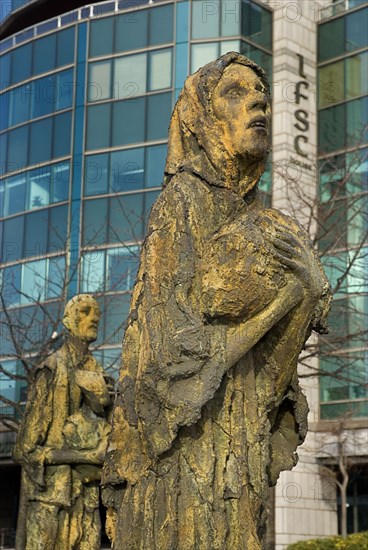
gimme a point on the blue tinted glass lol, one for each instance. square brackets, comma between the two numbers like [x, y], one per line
[62, 135]
[122, 266]
[155, 164]
[114, 319]
[40, 141]
[33, 289]
[101, 36]
[35, 234]
[161, 25]
[64, 86]
[3, 154]
[5, 70]
[15, 195]
[56, 277]
[131, 31]
[127, 170]
[17, 148]
[4, 110]
[96, 174]
[2, 198]
[126, 218]
[60, 181]
[44, 54]
[356, 30]
[98, 126]
[65, 47]
[93, 272]
[357, 116]
[21, 63]
[58, 228]
[332, 128]
[11, 284]
[44, 95]
[128, 121]
[256, 23]
[20, 105]
[39, 183]
[94, 222]
[12, 239]
[331, 37]
[159, 111]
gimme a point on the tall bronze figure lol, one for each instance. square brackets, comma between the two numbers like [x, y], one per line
[62, 439]
[209, 409]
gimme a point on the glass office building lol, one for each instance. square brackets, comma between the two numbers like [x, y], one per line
[87, 90]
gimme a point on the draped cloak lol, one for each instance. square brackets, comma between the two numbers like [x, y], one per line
[198, 437]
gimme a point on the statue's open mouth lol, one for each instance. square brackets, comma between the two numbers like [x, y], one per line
[259, 122]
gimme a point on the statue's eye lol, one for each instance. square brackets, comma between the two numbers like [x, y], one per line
[260, 88]
[235, 93]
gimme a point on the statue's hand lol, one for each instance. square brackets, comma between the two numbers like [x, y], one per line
[298, 257]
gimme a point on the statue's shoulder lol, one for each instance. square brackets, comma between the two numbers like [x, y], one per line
[49, 365]
[284, 219]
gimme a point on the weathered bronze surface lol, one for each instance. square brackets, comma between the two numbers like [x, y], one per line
[209, 409]
[62, 440]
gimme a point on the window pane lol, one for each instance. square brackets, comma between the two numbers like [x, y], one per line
[357, 116]
[205, 19]
[56, 277]
[95, 222]
[161, 25]
[230, 17]
[65, 47]
[130, 76]
[5, 119]
[155, 164]
[99, 81]
[331, 39]
[149, 199]
[33, 282]
[44, 95]
[5, 64]
[126, 218]
[44, 54]
[127, 170]
[114, 315]
[93, 270]
[356, 30]
[131, 31]
[62, 135]
[158, 118]
[332, 129]
[39, 188]
[230, 46]
[17, 148]
[160, 70]
[64, 86]
[256, 23]
[60, 181]
[98, 126]
[129, 121]
[96, 174]
[331, 84]
[15, 194]
[356, 68]
[122, 266]
[58, 228]
[202, 54]
[19, 105]
[101, 36]
[11, 284]
[4, 162]
[35, 234]
[13, 239]
[40, 141]
[21, 63]
[2, 202]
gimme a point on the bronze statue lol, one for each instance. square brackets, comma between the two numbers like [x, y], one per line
[209, 409]
[62, 439]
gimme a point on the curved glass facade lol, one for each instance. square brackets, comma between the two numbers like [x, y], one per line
[86, 99]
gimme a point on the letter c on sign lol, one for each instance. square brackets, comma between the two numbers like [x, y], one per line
[297, 146]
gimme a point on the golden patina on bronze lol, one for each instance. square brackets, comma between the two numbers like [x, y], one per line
[62, 439]
[209, 409]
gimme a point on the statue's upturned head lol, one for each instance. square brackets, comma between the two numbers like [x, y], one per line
[81, 317]
[221, 122]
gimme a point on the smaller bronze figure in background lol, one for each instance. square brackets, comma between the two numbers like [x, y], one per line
[62, 439]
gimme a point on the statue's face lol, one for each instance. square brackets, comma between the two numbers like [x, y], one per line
[241, 104]
[84, 319]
